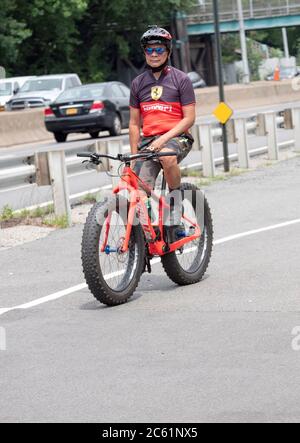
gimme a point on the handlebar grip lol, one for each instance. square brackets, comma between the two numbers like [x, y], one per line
[84, 154]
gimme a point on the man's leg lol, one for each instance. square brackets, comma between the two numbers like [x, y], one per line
[171, 170]
[147, 171]
[182, 146]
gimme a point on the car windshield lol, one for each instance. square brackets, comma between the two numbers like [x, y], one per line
[41, 85]
[5, 89]
[82, 93]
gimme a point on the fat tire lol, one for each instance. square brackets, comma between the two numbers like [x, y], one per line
[169, 261]
[90, 255]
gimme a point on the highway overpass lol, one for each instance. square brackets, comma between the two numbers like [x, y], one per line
[263, 14]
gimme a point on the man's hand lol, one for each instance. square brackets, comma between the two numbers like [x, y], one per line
[157, 144]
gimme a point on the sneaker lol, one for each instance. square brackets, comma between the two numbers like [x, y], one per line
[172, 233]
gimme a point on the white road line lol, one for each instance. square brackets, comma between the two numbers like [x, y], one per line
[46, 299]
[256, 231]
[82, 286]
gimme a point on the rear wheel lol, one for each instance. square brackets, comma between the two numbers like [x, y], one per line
[112, 276]
[60, 137]
[116, 128]
[188, 265]
[94, 134]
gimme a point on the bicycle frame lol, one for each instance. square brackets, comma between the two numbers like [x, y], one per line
[130, 182]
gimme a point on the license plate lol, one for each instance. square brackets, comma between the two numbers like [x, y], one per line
[72, 111]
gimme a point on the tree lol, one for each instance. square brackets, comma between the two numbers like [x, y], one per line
[12, 34]
[85, 36]
[54, 37]
[111, 29]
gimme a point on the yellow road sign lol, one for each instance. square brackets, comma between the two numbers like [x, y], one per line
[223, 113]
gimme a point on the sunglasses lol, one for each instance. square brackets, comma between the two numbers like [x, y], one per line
[159, 51]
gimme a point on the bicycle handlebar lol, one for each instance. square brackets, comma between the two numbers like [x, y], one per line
[126, 157]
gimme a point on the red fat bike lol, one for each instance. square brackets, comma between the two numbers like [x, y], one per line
[120, 236]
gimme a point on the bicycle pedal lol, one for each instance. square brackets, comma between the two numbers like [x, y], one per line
[172, 233]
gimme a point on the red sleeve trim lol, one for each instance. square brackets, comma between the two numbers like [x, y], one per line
[189, 104]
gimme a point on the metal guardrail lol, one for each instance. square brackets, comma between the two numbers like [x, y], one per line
[17, 171]
[203, 12]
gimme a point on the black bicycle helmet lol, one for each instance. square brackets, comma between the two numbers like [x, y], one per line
[156, 35]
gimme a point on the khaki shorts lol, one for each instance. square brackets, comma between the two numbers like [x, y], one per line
[148, 171]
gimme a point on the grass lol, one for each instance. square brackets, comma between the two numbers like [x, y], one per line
[207, 181]
[56, 222]
[7, 213]
[89, 198]
[38, 216]
[190, 173]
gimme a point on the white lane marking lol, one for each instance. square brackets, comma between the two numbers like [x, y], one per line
[82, 286]
[4, 310]
[15, 188]
[256, 231]
[46, 299]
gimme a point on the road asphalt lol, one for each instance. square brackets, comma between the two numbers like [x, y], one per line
[217, 351]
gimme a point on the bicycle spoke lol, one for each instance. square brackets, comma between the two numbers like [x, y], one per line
[190, 257]
[118, 267]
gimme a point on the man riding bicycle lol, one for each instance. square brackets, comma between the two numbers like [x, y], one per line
[163, 100]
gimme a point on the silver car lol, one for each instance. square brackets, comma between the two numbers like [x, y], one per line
[41, 91]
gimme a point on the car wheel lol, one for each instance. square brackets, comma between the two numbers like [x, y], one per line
[94, 134]
[60, 137]
[116, 128]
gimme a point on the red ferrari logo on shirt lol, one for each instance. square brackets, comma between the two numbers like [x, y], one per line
[156, 92]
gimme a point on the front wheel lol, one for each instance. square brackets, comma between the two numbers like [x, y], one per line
[112, 276]
[188, 265]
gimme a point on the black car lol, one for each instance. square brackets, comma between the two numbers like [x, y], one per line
[89, 109]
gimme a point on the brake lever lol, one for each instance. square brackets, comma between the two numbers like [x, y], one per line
[95, 160]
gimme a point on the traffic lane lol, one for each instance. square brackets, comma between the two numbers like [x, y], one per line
[219, 351]
[85, 137]
[73, 140]
[254, 142]
[254, 200]
[246, 112]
